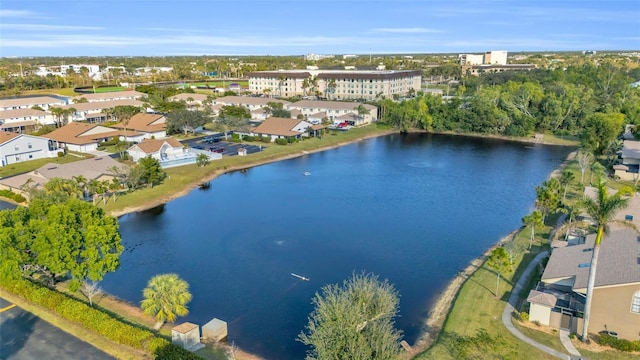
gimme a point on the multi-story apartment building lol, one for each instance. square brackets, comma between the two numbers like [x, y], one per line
[336, 84]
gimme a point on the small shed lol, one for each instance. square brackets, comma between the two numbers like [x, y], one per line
[242, 152]
[187, 335]
[215, 329]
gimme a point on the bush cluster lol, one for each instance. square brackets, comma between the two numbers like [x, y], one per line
[96, 320]
[619, 344]
[13, 196]
[282, 141]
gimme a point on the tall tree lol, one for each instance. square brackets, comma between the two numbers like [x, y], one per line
[602, 210]
[165, 298]
[354, 321]
[124, 113]
[585, 158]
[566, 178]
[548, 197]
[186, 121]
[499, 261]
[532, 220]
[150, 171]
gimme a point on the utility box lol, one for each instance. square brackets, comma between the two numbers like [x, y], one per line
[215, 329]
[187, 336]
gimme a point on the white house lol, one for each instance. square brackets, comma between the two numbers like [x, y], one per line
[28, 102]
[151, 125]
[628, 170]
[334, 109]
[16, 148]
[83, 137]
[168, 151]
[94, 111]
[282, 128]
[24, 119]
[110, 96]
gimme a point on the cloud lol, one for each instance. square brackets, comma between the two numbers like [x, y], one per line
[44, 27]
[413, 30]
[7, 13]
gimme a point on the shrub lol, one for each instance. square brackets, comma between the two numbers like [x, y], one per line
[524, 316]
[282, 141]
[266, 139]
[248, 138]
[619, 344]
[60, 153]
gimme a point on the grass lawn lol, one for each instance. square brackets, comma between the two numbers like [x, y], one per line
[110, 89]
[63, 92]
[220, 83]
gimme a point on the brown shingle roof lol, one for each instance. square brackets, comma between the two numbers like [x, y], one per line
[538, 297]
[144, 122]
[6, 136]
[184, 327]
[17, 124]
[18, 113]
[71, 133]
[109, 95]
[277, 126]
[99, 105]
[90, 168]
[185, 96]
[30, 101]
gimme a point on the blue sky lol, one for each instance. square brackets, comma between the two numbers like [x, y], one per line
[296, 27]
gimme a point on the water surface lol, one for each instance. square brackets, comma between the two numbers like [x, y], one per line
[414, 209]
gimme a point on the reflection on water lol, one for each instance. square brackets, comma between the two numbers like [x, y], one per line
[413, 208]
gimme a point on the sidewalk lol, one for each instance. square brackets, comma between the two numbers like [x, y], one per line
[510, 308]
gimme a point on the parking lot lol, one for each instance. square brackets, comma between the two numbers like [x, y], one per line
[219, 145]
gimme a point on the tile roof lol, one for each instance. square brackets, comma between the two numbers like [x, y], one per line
[542, 298]
[99, 105]
[14, 124]
[185, 96]
[92, 168]
[332, 105]
[277, 126]
[109, 95]
[18, 113]
[144, 122]
[84, 133]
[247, 100]
[149, 146]
[617, 263]
[30, 101]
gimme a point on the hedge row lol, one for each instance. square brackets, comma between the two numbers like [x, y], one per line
[96, 320]
[620, 344]
[13, 196]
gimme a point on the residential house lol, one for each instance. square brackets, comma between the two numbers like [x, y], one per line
[98, 168]
[630, 156]
[192, 100]
[16, 148]
[558, 300]
[251, 103]
[152, 125]
[282, 128]
[24, 120]
[94, 112]
[110, 96]
[28, 102]
[334, 109]
[84, 137]
[168, 151]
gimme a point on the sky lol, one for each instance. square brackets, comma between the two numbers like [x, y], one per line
[297, 27]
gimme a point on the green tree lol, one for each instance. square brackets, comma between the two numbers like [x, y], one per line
[165, 298]
[566, 178]
[202, 160]
[277, 109]
[600, 129]
[602, 210]
[532, 220]
[124, 113]
[548, 197]
[150, 171]
[184, 120]
[499, 261]
[354, 321]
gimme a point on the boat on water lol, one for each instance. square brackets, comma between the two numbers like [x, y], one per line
[306, 173]
[300, 277]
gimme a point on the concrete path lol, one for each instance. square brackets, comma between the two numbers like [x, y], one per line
[510, 308]
[566, 342]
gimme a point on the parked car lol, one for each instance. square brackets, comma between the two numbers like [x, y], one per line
[341, 125]
[197, 147]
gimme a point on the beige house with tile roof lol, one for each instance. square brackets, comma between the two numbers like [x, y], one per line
[153, 125]
[17, 148]
[27, 102]
[334, 109]
[84, 137]
[94, 111]
[616, 295]
[168, 151]
[98, 168]
[282, 128]
[110, 96]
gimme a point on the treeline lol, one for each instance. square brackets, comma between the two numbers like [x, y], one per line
[593, 102]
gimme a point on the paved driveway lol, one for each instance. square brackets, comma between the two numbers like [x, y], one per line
[24, 336]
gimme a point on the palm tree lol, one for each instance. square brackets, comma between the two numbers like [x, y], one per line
[124, 113]
[532, 220]
[566, 179]
[58, 112]
[166, 297]
[598, 170]
[602, 210]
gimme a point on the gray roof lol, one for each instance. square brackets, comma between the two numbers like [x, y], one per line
[618, 262]
[332, 105]
[92, 168]
[631, 149]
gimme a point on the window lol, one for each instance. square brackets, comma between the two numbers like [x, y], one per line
[29, 145]
[635, 302]
[17, 148]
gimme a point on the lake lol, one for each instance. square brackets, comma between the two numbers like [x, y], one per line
[413, 208]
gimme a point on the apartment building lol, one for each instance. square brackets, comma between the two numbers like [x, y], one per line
[336, 84]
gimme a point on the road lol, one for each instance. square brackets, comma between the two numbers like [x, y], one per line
[24, 336]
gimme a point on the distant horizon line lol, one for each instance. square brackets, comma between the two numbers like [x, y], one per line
[321, 54]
